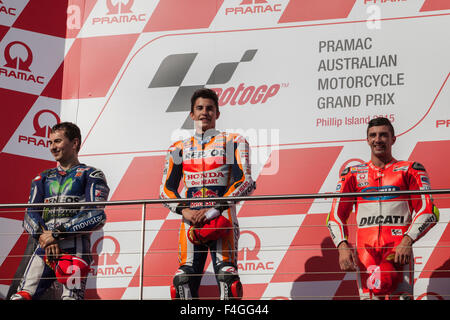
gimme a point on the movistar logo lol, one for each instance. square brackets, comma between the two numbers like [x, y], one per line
[55, 188]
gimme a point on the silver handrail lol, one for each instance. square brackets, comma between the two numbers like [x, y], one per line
[232, 199]
[145, 202]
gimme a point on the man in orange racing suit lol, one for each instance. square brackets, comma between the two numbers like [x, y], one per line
[387, 226]
[211, 164]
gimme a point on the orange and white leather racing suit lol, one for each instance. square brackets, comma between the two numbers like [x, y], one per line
[215, 164]
[382, 221]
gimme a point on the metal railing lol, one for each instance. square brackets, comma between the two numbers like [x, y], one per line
[145, 202]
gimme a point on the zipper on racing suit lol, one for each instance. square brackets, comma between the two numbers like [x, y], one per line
[203, 169]
[380, 175]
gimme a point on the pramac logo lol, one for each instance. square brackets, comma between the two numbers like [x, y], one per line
[248, 259]
[41, 132]
[44, 131]
[119, 11]
[106, 263]
[253, 7]
[119, 7]
[18, 65]
[18, 62]
[5, 10]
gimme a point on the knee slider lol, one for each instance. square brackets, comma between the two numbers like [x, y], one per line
[230, 284]
[181, 281]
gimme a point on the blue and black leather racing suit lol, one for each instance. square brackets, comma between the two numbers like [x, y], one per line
[80, 183]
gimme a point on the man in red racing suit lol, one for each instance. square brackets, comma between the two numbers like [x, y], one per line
[387, 226]
[210, 164]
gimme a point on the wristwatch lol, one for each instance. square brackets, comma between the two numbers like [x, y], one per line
[56, 234]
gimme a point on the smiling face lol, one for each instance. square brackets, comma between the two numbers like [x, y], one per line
[380, 140]
[204, 113]
[63, 150]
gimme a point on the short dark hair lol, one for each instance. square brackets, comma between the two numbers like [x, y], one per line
[71, 131]
[205, 94]
[381, 121]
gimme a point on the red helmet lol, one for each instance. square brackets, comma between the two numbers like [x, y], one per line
[212, 230]
[67, 266]
[384, 278]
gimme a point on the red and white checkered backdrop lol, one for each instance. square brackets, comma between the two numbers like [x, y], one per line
[299, 78]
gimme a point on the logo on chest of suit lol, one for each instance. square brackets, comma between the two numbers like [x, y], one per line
[381, 220]
[204, 154]
[55, 212]
[55, 188]
[204, 193]
[204, 178]
[380, 189]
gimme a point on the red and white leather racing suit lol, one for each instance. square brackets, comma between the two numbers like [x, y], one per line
[216, 164]
[382, 221]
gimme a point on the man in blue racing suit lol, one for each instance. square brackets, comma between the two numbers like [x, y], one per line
[62, 231]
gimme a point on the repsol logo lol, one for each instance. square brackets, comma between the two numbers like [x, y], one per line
[204, 154]
[381, 220]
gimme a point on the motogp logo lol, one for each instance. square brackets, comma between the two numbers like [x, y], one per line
[174, 68]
